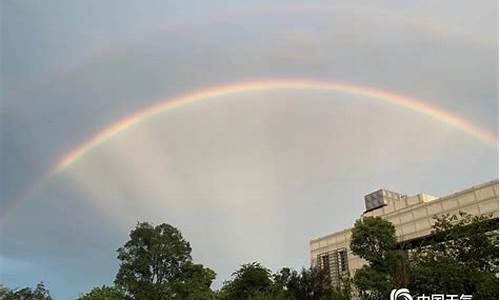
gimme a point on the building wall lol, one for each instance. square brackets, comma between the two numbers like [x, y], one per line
[412, 218]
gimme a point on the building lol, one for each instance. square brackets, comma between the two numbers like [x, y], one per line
[412, 217]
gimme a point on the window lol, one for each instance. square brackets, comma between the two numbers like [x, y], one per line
[343, 265]
[324, 261]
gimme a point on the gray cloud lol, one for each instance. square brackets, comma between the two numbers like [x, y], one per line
[240, 172]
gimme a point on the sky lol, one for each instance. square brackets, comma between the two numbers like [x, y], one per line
[246, 176]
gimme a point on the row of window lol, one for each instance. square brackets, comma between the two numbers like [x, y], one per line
[336, 262]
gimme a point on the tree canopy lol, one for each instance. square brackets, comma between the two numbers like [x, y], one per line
[255, 282]
[250, 281]
[460, 256]
[374, 239]
[40, 292]
[313, 284]
[103, 293]
[156, 264]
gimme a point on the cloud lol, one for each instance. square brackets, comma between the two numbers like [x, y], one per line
[244, 177]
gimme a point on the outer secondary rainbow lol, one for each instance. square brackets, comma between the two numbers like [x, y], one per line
[268, 85]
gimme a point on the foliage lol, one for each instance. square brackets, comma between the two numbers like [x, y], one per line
[39, 293]
[374, 239]
[156, 264]
[343, 293]
[466, 239]
[103, 293]
[310, 284]
[461, 257]
[251, 281]
[193, 283]
[372, 283]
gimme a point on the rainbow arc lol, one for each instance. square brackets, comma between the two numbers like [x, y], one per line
[269, 85]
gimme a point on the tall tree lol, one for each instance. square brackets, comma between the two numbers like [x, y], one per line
[153, 263]
[374, 239]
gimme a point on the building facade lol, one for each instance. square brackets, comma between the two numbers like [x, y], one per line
[412, 216]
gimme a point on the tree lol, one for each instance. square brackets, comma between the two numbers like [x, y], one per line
[193, 283]
[310, 284]
[251, 281]
[39, 293]
[344, 292]
[103, 293]
[154, 262]
[460, 256]
[280, 289]
[374, 239]
[255, 282]
[371, 283]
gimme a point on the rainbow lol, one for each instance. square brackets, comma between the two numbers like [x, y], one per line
[269, 85]
[250, 87]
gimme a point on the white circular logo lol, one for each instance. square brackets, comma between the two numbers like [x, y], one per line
[403, 293]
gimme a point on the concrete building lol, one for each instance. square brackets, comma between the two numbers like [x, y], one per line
[412, 217]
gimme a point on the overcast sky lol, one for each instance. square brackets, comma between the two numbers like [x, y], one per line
[245, 177]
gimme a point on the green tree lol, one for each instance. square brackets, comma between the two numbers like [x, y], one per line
[374, 239]
[372, 283]
[280, 290]
[251, 281]
[40, 292]
[310, 284]
[193, 283]
[103, 293]
[460, 256]
[345, 291]
[154, 262]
